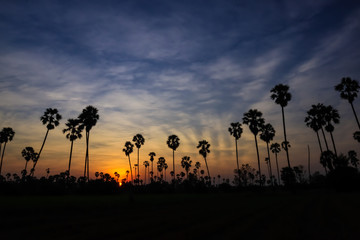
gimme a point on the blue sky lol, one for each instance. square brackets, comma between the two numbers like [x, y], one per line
[172, 67]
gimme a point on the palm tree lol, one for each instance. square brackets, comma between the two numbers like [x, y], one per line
[173, 142]
[165, 167]
[331, 115]
[281, 96]
[186, 164]
[160, 166]
[253, 118]
[88, 119]
[51, 119]
[146, 164]
[139, 141]
[129, 148]
[267, 135]
[152, 155]
[74, 132]
[353, 158]
[6, 135]
[348, 89]
[318, 113]
[236, 131]
[197, 166]
[275, 148]
[314, 123]
[204, 150]
[28, 154]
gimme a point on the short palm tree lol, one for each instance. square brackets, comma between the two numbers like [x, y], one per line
[73, 132]
[146, 164]
[348, 89]
[173, 142]
[186, 164]
[281, 95]
[152, 155]
[28, 154]
[128, 149]
[204, 150]
[51, 119]
[275, 148]
[331, 116]
[88, 119]
[253, 118]
[139, 140]
[236, 130]
[267, 134]
[160, 166]
[6, 135]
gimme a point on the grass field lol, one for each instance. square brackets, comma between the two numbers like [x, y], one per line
[262, 215]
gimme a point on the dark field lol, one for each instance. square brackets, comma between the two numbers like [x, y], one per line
[262, 215]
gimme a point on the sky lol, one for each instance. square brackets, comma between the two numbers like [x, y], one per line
[160, 67]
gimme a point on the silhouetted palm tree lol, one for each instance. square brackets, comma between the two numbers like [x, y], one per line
[28, 154]
[331, 115]
[314, 123]
[139, 140]
[275, 148]
[51, 119]
[318, 112]
[88, 119]
[253, 118]
[73, 132]
[129, 148]
[236, 131]
[173, 142]
[267, 134]
[152, 155]
[186, 164]
[348, 89]
[204, 150]
[146, 164]
[165, 167]
[6, 135]
[281, 96]
[353, 158]
[160, 166]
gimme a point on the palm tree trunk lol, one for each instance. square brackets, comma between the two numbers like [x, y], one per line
[309, 163]
[237, 159]
[333, 142]
[88, 157]
[327, 147]
[267, 145]
[145, 175]
[2, 157]
[87, 153]
[26, 162]
[138, 168]
[131, 170]
[258, 157]
[286, 149]
[174, 163]
[207, 169]
[38, 157]
[357, 120]
[317, 134]
[277, 166]
[71, 149]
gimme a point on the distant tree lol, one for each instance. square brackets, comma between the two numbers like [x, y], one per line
[51, 119]
[128, 149]
[204, 150]
[275, 148]
[165, 167]
[267, 134]
[173, 142]
[253, 118]
[281, 95]
[146, 164]
[6, 135]
[28, 154]
[152, 155]
[353, 158]
[236, 130]
[356, 136]
[186, 164]
[160, 166]
[197, 167]
[88, 119]
[327, 159]
[139, 140]
[348, 89]
[73, 132]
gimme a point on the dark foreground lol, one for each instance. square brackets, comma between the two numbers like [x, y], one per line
[262, 215]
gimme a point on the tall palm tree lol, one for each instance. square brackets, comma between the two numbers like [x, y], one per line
[275, 148]
[7, 135]
[173, 142]
[51, 119]
[88, 119]
[331, 115]
[186, 164]
[236, 131]
[128, 149]
[314, 123]
[139, 140]
[146, 164]
[348, 89]
[267, 134]
[204, 150]
[281, 95]
[152, 155]
[253, 118]
[28, 154]
[73, 132]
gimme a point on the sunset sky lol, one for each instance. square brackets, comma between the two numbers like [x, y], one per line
[159, 68]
